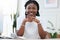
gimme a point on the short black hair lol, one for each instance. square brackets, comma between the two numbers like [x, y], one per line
[36, 3]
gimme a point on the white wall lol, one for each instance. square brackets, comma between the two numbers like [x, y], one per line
[52, 14]
[1, 21]
[7, 7]
[1, 16]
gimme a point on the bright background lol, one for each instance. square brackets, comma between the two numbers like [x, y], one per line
[8, 7]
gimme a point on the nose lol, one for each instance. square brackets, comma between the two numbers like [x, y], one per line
[31, 10]
[31, 14]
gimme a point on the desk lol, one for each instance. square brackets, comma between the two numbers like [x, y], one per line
[29, 39]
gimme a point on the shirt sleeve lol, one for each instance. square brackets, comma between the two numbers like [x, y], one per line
[43, 22]
[19, 22]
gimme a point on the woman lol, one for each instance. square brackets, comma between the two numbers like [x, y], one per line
[31, 26]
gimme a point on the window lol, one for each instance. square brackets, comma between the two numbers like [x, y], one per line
[8, 7]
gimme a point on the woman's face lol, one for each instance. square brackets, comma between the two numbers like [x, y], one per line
[31, 9]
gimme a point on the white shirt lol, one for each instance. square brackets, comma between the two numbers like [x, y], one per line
[31, 29]
[43, 22]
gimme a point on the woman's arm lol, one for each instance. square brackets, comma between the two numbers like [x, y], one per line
[47, 35]
[43, 34]
[41, 31]
[20, 32]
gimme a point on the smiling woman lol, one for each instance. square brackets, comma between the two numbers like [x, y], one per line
[31, 27]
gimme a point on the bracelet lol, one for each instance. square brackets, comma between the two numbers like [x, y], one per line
[38, 23]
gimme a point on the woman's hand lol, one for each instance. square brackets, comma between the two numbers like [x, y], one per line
[30, 17]
[20, 32]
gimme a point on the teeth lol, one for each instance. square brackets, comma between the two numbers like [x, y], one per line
[31, 13]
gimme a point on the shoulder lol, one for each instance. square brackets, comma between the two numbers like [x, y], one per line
[24, 20]
[42, 19]
[20, 17]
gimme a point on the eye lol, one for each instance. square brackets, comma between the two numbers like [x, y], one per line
[29, 7]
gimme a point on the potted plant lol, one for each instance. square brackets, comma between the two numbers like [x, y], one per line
[13, 17]
[14, 23]
[53, 35]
